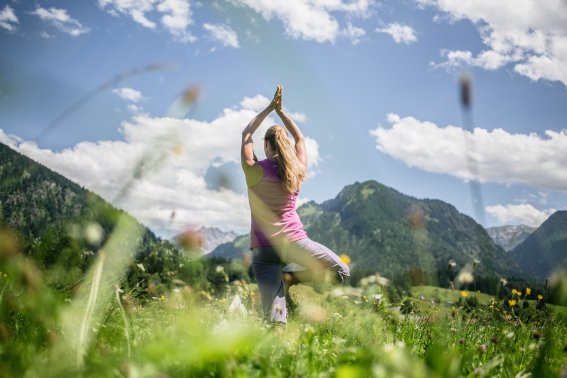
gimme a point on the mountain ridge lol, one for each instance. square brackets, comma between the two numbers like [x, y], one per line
[510, 236]
[545, 250]
[60, 224]
[384, 230]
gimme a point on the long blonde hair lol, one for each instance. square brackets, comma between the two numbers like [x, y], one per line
[292, 171]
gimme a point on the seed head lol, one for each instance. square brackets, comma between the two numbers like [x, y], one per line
[465, 278]
[465, 91]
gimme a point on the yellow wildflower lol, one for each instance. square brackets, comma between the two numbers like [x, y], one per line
[512, 302]
[464, 294]
[528, 291]
[345, 258]
[514, 292]
[539, 297]
[519, 293]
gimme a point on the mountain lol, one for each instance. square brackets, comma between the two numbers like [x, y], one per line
[545, 250]
[233, 250]
[508, 237]
[61, 225]
[212, 237]
[203, 240]
[385, 231]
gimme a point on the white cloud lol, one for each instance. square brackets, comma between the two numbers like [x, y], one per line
[129, 94]
[8, 19]
[223, 34]
[499, 156]
[177, 154]
[176, 18]
[136, 9]
[9, 139]
[133, 108]
[176, 15]
[530, 34]
[256, 103]
[354, 33]
[61, 20]
[489, 60]
[298, 117]
[519, 214]
[400, 33]
[310, 19]
[45, 35]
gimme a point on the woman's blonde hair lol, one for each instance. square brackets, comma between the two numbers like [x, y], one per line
[292, 171]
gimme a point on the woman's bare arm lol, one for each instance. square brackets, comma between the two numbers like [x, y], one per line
[295, 133]
[247, 147]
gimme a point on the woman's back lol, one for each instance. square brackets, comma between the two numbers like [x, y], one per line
[274, 218]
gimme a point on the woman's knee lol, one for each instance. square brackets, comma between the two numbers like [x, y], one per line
[345, 270]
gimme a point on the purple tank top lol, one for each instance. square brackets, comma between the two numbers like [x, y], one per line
[274, 218]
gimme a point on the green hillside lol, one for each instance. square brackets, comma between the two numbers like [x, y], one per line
[61, 226]
[545, 250]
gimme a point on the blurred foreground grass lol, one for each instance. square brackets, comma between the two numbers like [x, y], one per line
[335, 331]
[99, 330]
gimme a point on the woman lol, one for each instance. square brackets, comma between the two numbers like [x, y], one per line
[277, 236]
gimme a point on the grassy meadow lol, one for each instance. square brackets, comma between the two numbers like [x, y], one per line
[101, 330]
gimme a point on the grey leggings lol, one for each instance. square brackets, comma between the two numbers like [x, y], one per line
[267, 263]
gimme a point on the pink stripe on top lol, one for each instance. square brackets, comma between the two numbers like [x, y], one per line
[274, 218]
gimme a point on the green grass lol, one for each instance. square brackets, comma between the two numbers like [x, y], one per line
[334, 332]
[446, 298]
[445, 295]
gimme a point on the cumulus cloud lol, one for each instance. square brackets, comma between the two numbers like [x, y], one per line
[175, 15]
[489, 60]
[531, 35]
[400, 33]
[519, 214]
[61, 20]
[8, 19]
[223, 34]
[172, 156]
[255, 103]
[128, 94]
[311, 19]
[354, 33]
[499, 156]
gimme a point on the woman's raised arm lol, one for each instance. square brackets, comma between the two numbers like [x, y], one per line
[295, 133]
[247, 147]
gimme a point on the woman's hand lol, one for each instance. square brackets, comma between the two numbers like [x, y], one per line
[280, 96]
[276, 103]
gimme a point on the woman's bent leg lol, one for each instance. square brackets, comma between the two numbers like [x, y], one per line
[268, 273]
[317, 258]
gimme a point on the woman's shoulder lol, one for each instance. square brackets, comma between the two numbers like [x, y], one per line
[264, 163]
[270, 167]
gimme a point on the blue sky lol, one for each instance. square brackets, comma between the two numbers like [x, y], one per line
[374, 85]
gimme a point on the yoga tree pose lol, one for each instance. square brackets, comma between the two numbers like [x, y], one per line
[277, 236]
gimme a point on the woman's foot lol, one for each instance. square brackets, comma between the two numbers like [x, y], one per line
[289, 279]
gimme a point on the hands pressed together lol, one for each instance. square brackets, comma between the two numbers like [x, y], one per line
[276, 103]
